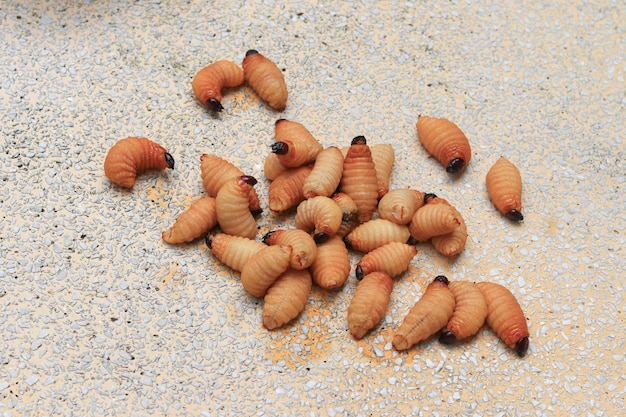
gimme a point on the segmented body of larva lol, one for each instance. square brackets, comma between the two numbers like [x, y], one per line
[429, 315]
[392, 258]
[375, 233]
[132, 155]
[232, 200]
[285, 191]
[326, 174]
[359, 179]
[196, 221]
[286, 298]
[399, 205]
[263, 269]
[291, 154]
[470, 312]
[452, 243]
[265, 79]
[304, 249]
[369, 303]
[505, 316]
[433, 220]
[445, 141]
[208, 83]
[272, 167]
[384, 157]
[331, 267]
[504, 186]
[232, 251]
[216, 171]
[349, 217]
[320, 216]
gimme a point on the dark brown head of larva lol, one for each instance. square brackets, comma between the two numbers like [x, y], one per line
[252, 52]
[359, 140]
[442, 278]
[515, 215]
[521, 347]
[214, 105]
[456, 165]
[428, 197]
[209, 240]
[169, 160]
[447, 337]
[279, 148]
[267, 236]
[248, 179]
[358, 271]
[321, 237]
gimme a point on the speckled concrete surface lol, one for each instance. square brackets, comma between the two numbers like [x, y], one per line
[99, 317]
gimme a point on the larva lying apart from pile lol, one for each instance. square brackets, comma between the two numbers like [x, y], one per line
[263, 268]
[304, 249]
[400, 205]
[349, 217]
[265, 79]
[294, 144]
[286, 298]
[470, 312]
[445, 141]
[369, 303]
[384, 157]
[505, 316]
[331, 267]
[285, 191]
[504, 186]
[359, 178]
[208, 83]
[216, 171]
[320, 216]
[326, 174]
[433, 220]
[196, 221]
[375, 233]
[429, 315]
[133, 155]
[452, 243]
[232, 202]
[392, 258]
[232, 251]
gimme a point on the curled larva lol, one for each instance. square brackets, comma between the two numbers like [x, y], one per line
[331, 267]
[504, 186]
[399, 205]
[505, 316]
[320, 216]
[133, 155]
[272, 167]
[232, 251]
[263, 269]
[429, 315]
[392, 258]
[285, 191]
[470, 312]
[369, 303]
[359, 179]
[445, 141]
[384, 158]
[216, 171]
[196, 221]
[304, 249]
[233, 215]
[208, 83]
[290, 153]
[265, 79]
[349, 217]
[449, 244]
[433, 220]
[286, 298]
[375, 233]
[326, 174]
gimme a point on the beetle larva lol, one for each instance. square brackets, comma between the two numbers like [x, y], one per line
[319, 215]
[263, 269]
[452, 243]
[208, 83]
[233, 215]
[392, 258]
[384, 158]
[216, 171]
[304, 249]
[196, 221]
[429, 315]
[326, 174]
[331, 267]
[433, 220]
[349, 217]
[285, 191]
[133, 155]
[505, 316]
[359, 179]
[504, 186]
[272, 167]
[369, 303]
[400, 205]
[372, 234]
[232, 251]
[445, 141]
[470, 312]
[265, 79]
[291, 134]
[286, 298]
